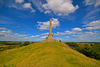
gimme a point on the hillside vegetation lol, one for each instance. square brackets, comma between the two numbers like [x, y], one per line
[45, 54]
[90, 49]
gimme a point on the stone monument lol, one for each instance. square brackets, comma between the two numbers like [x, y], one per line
[50, 36]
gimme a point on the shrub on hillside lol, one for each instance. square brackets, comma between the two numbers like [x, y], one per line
[26, 43]
[59, 40]
[32, 42]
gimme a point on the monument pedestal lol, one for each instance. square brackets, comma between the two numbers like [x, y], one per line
[50, 40]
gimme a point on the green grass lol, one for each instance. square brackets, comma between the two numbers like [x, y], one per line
[45, 54]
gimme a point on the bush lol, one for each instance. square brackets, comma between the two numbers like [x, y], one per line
[59, 40]
[32, 42]
[26, 43]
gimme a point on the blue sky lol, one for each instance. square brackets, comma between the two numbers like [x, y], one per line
[28, 20]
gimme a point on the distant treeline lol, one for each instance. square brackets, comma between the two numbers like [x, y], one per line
[89, 49]
[11, 45]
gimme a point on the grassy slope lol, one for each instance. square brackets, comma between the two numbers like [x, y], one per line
[45, 55]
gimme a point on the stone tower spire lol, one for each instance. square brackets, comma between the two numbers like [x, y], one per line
[50, 36]
[50, 27]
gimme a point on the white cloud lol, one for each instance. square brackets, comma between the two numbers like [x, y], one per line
[8, 35]
[19, 1]
[96, 3]
[3, 29]
[45, 34]
[38, 4]
[6, 32]
[59, 7]
[74, 35]
[45, 25]
[30, 37]
[18, 4]
[88, 28]
[76, 29]
[92, 25]
[28, 6]
[44, 37]
[68, 32]
[47, 12]
[89, 33]
[34, 36]
[18, 35]
[64, 7]
[66, 37]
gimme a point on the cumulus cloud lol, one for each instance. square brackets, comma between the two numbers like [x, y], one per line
[45, 34]
[20, 5]
[64, 7]
[8, 35]
[19, 1]
[89, 33]
[47, 12]
[38, 4]
[34, 36]
[19, 35]
[96, 3]
[86, 34]
[3, 29]
[66, 37]
[74, 35]
[45, 25]
[44, 37]
[76, 29]
[92, 25]
[31, 37]
[28, 6]
[6, 32]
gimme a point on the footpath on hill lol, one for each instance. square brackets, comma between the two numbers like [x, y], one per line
[45, 54]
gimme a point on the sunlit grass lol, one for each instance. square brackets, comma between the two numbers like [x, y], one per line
[45, 54]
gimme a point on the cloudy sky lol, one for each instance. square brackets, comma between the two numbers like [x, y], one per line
[28, 20]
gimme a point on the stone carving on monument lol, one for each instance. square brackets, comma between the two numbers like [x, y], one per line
[50, 36]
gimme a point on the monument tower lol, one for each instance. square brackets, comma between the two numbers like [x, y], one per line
[50, 36]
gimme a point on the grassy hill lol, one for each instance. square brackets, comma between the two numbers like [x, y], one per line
[45, 54]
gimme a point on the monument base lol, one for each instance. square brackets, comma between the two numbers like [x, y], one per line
[50, 40]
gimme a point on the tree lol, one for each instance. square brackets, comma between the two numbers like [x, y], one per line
[26, 43]
[59, 40]
[46, 37]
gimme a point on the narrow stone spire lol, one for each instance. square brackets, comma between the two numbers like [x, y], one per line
[50, 36]
[50, 27]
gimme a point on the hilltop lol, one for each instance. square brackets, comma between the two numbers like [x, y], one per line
[45, 54]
